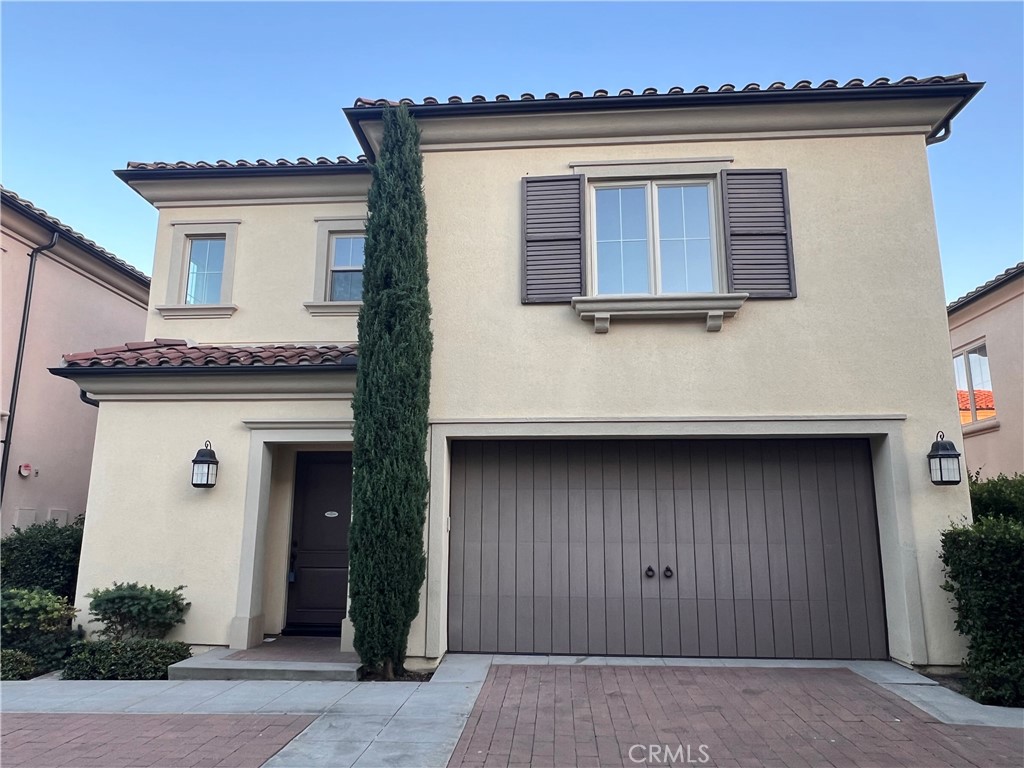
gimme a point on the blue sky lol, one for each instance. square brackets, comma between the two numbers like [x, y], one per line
[90, 86]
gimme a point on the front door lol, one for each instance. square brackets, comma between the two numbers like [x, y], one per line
[318, 563]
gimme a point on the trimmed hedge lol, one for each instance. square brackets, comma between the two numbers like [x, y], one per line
[37, 622]
[133, 612]
[124, 660]
[43, 555]
[999, 496]
[16, 665]
[985, 574]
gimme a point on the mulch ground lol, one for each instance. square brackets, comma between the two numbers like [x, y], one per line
[162, 741]
[736, 717]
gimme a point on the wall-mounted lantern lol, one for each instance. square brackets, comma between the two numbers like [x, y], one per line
[944, 461]
[204, 467]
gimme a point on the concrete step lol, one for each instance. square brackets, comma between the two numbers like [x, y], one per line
[214, 665]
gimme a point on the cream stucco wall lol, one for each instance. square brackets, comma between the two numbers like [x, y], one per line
[867, 334]
[274, 273]
[146, 522]
[864, 349]
[53, 430]
[997, 320]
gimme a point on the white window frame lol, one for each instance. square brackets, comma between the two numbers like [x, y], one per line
[326, 231]
[976, 424]
[183, 233]
[651, 187]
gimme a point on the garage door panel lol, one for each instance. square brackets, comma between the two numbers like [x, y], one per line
[821, 636]
[725, 615]
[782, 629]
[744, 611]
[772, 544]
[764, 629]
[689, 637]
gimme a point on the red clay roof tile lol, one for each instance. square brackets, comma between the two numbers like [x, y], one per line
[179, 353]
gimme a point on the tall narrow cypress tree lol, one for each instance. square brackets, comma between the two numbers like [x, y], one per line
[390, 479]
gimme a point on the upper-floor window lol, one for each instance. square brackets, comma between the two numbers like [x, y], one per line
[346, 279]
[201, 270]
[974, 385]
[205, 270]
[655, 238]
[338, 267]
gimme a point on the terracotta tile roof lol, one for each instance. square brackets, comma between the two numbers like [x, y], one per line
[26, 206]
[981, 290]
[802, 85]
[260, 163]
[180, 353]
[983, 400]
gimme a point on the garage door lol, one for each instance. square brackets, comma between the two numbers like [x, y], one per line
[750, 548]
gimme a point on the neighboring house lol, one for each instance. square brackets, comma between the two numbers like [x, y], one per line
[80, 295]
[690, 355]
[986, 330]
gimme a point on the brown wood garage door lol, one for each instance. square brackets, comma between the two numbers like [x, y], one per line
[749, 548]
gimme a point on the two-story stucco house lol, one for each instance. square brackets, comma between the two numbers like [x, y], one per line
[58, 291]
[690, 356]
[986, 330]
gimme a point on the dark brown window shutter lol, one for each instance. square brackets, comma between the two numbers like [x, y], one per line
[758, 238]
[553, 251]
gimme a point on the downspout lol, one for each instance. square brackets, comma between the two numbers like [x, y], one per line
[19, 361]
[84, 397]
[942, 135]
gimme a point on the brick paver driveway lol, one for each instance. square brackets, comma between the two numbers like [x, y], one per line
[626, 716]
[168, 741]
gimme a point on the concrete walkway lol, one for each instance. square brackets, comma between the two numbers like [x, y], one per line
[375, 724]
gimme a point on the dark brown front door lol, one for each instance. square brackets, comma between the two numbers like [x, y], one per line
[318, 564]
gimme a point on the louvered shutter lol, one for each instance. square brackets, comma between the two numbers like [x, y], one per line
[758, 238]
[553, 252]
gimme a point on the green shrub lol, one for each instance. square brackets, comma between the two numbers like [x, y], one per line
[133, 612]
[124, 660]
[985, 574]
[37, 622]
[43, 555]
[999, 496]
[16, 665]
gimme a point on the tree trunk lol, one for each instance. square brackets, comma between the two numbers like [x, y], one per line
[389, 670]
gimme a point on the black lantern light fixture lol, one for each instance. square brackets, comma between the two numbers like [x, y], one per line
[944, 461]
[204, 467]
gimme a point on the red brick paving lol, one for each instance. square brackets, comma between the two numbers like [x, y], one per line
[140, 741]
[743, 717]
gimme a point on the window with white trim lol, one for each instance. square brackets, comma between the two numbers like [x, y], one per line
[205, 270]
[345, 281]
[974, 385]
[654, 238]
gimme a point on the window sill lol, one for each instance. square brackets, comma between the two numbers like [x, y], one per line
[196, 311]
[332, 308]
[980, 427]
[711, 307]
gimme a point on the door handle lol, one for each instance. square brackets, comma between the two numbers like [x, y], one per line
[649, 573]
[668, 572]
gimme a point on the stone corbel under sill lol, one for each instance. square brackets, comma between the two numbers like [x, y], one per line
[712, 307]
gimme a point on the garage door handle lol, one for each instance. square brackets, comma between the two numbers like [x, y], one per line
[668, 572]
[649, 573]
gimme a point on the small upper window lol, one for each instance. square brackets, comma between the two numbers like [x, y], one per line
[205, 270]
[974, 385]
[655, 238]
[346, 278]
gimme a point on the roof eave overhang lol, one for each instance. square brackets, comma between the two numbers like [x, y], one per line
[169, 186]
[49, 227]
[958, 93]
[250, 380]
[980, 293]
